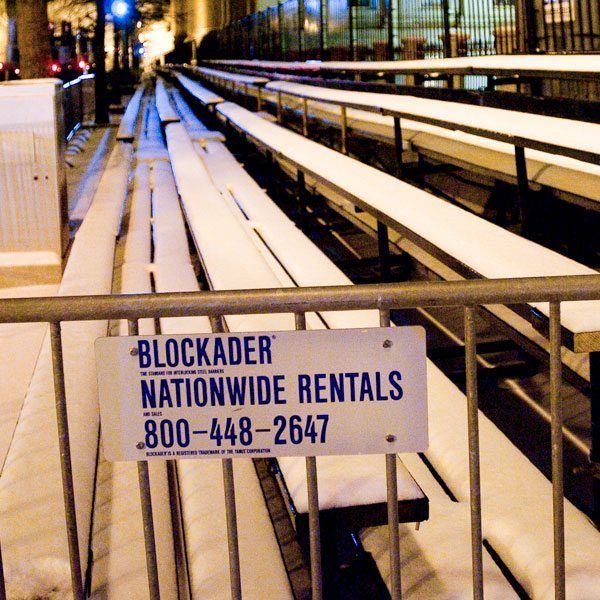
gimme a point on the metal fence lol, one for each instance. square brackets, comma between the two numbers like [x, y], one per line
[383, 297]
[78, 103]
[412, 29]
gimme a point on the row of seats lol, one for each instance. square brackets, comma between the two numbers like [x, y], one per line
[505, 488]
[32, 521]
[574, 180]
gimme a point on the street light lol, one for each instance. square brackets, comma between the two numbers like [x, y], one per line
[119, 9]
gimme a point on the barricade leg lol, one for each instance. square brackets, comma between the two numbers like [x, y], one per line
[392, 504]
[2, 582]
[556, 412]
[147, 516]
[314, 527]
[65, 459]
[474, 467]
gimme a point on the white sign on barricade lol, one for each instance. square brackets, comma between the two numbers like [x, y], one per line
[284, 393]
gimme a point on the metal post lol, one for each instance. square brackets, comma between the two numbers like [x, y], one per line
[344, 120]
[147, 516]
[259, 98]
[390, 30]
[301, 29]
[398, 146]
[383, 244]
[446, 24]
[474, 471]
[392, 504]
[595, 444]
[2, 582]
[65, 459]
[232, 532]
[522, 188]
[304, 117]
[314, 526]
[351, 31]
[300, 193]
[246, 99]
[322, 26]
[279, 109]
[556, 412]
[216, 323]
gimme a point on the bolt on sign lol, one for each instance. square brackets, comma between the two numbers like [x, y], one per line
[284, 393]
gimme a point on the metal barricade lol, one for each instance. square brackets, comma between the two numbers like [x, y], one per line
[78, 103]
[299, 301]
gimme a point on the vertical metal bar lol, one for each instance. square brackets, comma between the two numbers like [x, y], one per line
[390, 30]
[351, 32]
[383, 244]
[398, 146]
[66, 468]
[314, 526]
[344, 121]
[556, 412]
[279, 109]
[259, 98]
[246, 99]
[148, 521]
[473, 432]
[394, 535]
[322, 26]
[595, 445]
[522, 188]
[316, 576]
[216, 323]
[392, 503]
[301, 29]
[147, 516]
[446, 25]
[300, 193]
[2, 582]
[232, 532]
[304, 117]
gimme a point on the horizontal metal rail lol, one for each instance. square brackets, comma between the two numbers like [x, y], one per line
[297, 300]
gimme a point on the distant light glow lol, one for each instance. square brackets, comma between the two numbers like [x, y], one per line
[82, 64]
[139, 24]
[17, 71]
[55, 68]
[1, 66]
[119, 8]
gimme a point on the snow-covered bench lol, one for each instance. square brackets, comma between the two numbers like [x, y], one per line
[32, 515]
[166, 111]
[558, 66]
[480, 138]
[127, 126]
[198, 91]
[508, 478]
[119, 567]
[468, 243]
[256, 212]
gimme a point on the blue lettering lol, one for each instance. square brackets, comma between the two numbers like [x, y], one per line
[148, 394]
[144, 354]
[365, 387]
[186, 344]
[304, 394]
[319, 387]
[395, 377]
[278, 388]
